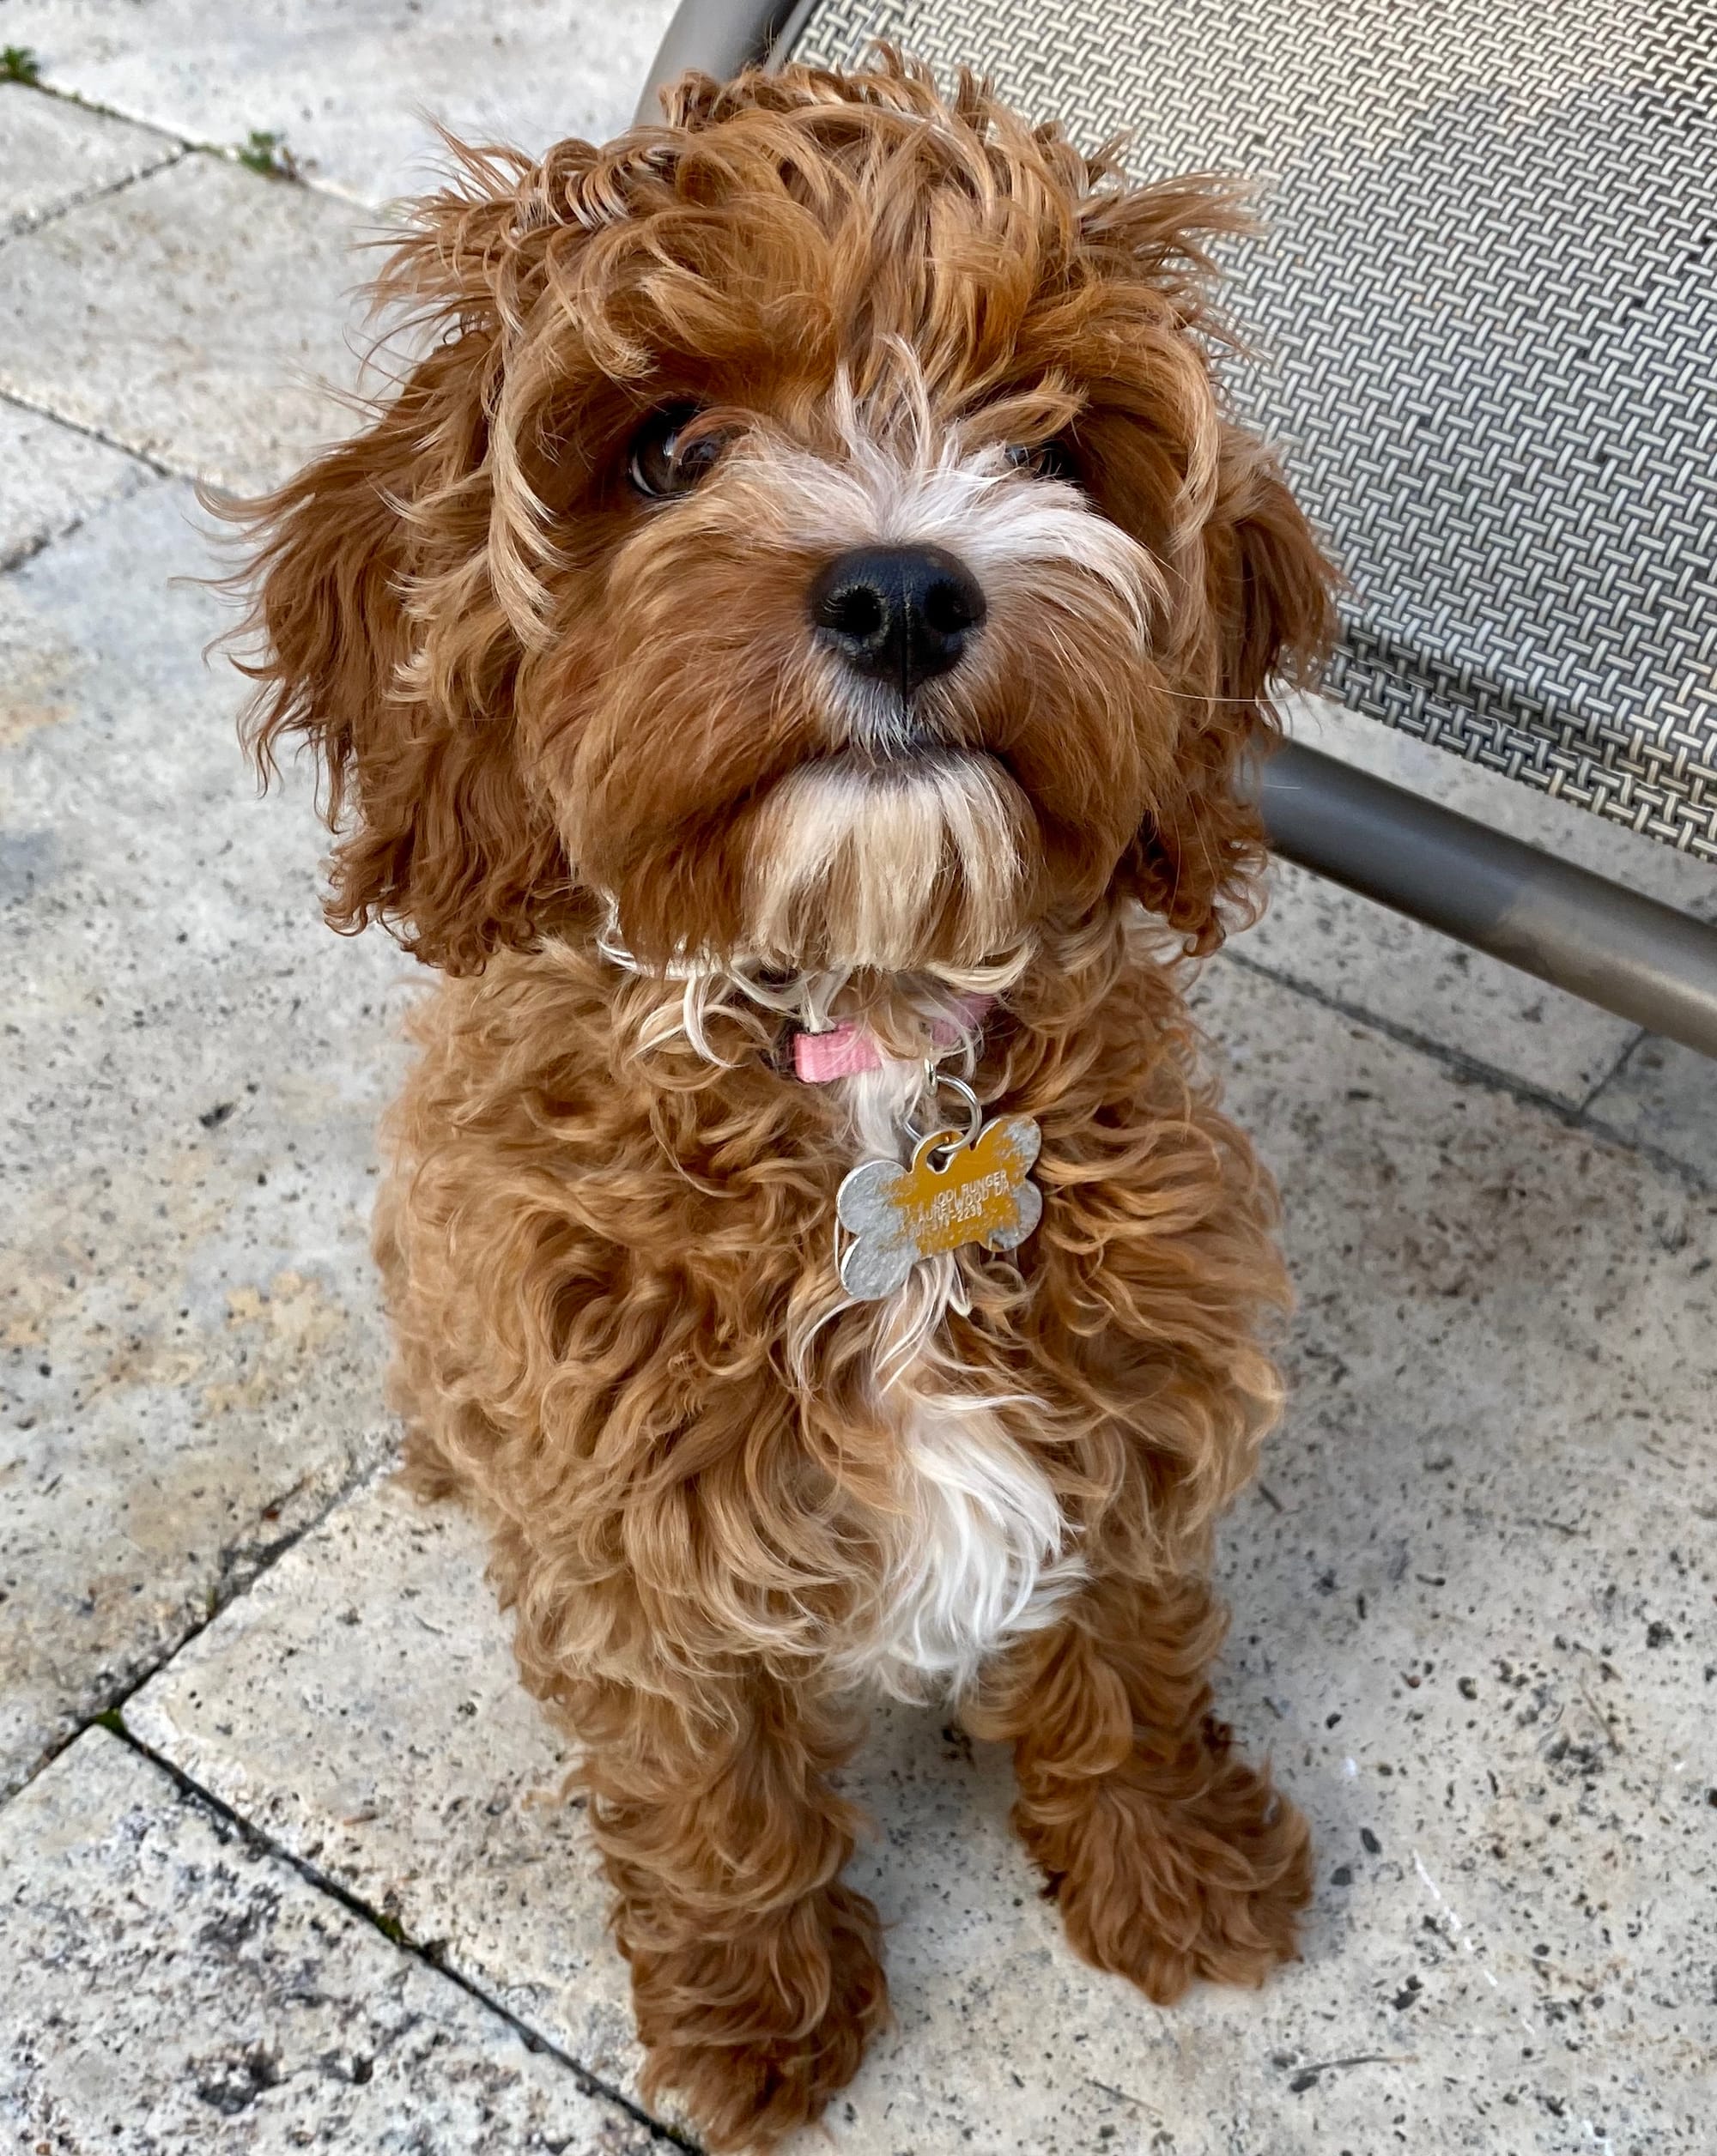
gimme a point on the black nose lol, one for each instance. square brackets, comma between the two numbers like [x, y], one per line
[897, 615]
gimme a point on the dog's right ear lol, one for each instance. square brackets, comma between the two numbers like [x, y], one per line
[380, 641]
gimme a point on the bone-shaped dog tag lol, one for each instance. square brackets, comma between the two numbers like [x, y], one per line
[973, 1190]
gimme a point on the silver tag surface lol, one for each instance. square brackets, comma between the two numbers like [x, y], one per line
[959, 1189]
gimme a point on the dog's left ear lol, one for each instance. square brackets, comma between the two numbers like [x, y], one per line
[1268, 592]
[382, 643]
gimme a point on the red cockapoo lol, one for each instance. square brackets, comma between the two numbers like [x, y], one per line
[785, 654]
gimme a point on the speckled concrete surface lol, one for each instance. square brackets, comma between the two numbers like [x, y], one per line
[1462, 1626]
[347, 86]
[54, 479]
[190, 1067]
[166, 1988]
[360, 1705]
[53, 154]
[191, 317]
[1474, 1604]
[1665, 1096]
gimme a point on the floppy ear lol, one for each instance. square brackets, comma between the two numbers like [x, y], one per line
[1268, 591]
[383, 646]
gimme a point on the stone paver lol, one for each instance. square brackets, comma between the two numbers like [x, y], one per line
[165, 1987]
[1665, 1096]
[388, 1741]
[346, 86]
[191, 317]
[1370, 959]
[53, 153]
[55, 476]
[191, 1068]
[1473, 1617]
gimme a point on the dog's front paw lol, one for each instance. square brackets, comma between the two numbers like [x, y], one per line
[756, 2034]
[1166, 1887]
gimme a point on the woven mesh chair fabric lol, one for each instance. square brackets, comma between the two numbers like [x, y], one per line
[1484, 318]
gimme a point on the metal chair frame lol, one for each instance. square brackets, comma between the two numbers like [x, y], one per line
[1645, 962]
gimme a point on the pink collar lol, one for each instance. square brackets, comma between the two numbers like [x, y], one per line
[846, 1049]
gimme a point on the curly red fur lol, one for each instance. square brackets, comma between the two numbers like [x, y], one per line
[582, 751]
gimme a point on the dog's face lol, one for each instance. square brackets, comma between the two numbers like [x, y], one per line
[816, 538]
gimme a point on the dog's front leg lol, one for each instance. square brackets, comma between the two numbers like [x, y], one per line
[755, 1976]
[1170, 1857]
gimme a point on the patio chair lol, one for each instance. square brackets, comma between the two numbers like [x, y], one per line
[1489, 298]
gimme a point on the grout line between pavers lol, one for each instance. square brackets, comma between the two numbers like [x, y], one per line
[242, 1565]
[1700, 1182]
[49, 217]
[1614, 1072]
[94, 434]
[82, 104]
[27, 550]
[226, 152]
[1471, 1071]
[257, 1839]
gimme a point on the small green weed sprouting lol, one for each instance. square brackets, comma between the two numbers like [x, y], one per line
[266, 153]
[19, 64]
[389, 1926]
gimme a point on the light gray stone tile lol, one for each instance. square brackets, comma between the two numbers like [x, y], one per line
[1379, 962]
[191, 317]
[1665, 1095]
[53, 153]
[346, 86]
[55, 476]
[165, 1986]
[190, 1067]
[397, 1752]
[1472, 1623]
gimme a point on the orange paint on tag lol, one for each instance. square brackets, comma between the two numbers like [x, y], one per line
[957, 1190]
[967, 1198]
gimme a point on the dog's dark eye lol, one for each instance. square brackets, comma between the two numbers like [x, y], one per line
[1044, 460]
[666, 458]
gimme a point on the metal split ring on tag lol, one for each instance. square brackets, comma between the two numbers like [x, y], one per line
[970, 1187]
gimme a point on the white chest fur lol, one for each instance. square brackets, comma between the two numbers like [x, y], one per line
[977, 1552]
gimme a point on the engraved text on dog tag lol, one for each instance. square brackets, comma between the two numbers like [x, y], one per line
[976, 1189]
